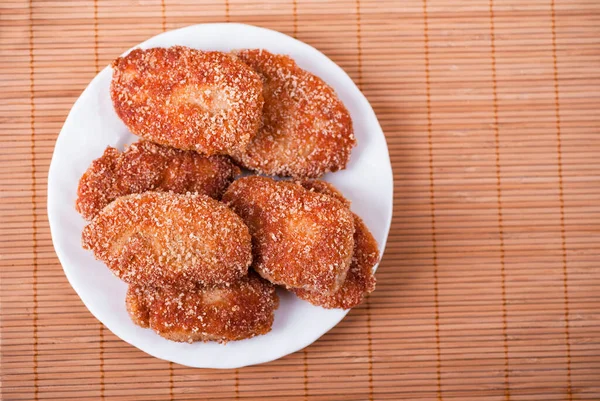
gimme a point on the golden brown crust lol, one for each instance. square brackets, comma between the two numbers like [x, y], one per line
[161, 238]
[306, 130]
[360, 280]
[236, 312]
[324, 187]
[301, 239]
[146, 166]
[137, 302]
[189, 99]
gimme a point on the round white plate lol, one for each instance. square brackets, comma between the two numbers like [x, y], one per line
[92, 125]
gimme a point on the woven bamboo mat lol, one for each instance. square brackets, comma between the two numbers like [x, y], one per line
[490, 283]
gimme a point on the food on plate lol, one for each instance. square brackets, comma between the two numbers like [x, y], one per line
[301, 239]
[306, 130]
[326, 188]
[155, 216]
[189, 99]
[167, 239]
[360, 279]
[228, 313]
[146, 166]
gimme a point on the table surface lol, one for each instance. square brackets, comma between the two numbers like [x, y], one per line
[489, 287]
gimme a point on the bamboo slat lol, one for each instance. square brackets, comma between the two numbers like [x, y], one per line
[489, 286]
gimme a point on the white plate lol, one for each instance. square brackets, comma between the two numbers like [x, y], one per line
[92, 125]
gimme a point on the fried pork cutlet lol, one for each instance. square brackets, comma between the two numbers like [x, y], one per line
[167, 239]
[306, 130]
[360, 280]
[189, 99]
[146, 166]
[324, 187]
[301, 239]
[228, 313]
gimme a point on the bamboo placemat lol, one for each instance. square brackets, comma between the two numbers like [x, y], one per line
[490, 283]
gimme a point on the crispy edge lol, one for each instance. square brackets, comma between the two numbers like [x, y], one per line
[326, 188]
[125, 224]
[146, 166]
[268, 207]
[242, 310]
[183, 116]
[360, 280]
[307, 149]
[95, 188]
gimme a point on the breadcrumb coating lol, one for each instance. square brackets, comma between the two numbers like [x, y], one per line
[360, 279]
[306, 130]
[146, 166]
[189, 99]
[167, 239]
[235, 312]
[301, 239]
[326, 188]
